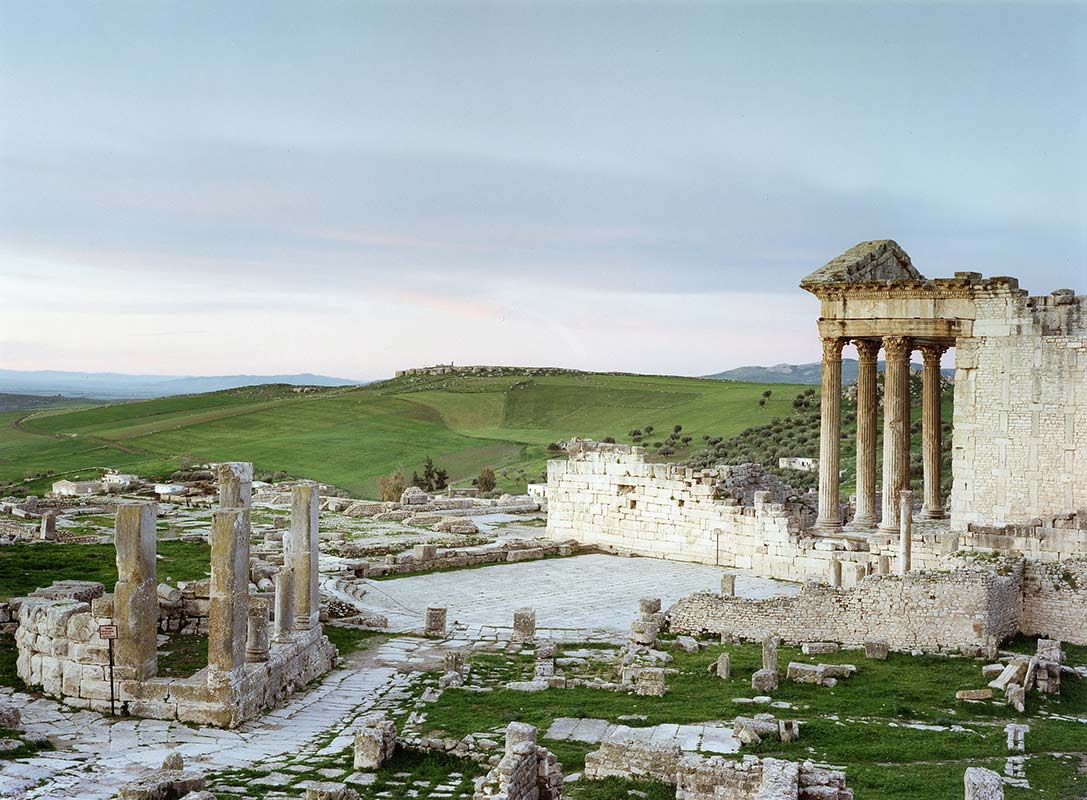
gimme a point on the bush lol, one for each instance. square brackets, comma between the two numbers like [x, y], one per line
[554, 447]
[486, 480]
[677, 428]
[666, 451]
[392, 486]
[608, 440]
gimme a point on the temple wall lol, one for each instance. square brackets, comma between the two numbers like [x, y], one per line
[1055, 600]
[1020, 439]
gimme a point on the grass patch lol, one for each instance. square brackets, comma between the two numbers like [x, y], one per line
[186, 655]
[8, 655]
[351, 640]
[25, 566]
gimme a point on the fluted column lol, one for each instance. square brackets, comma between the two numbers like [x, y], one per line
[867, 351]
[830, 436]
[931, 431]
[896, 427]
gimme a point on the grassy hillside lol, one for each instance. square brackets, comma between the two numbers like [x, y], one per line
[350, 436]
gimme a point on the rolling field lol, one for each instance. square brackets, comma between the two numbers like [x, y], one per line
[351, 436]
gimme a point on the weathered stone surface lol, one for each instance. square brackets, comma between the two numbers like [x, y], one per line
[135, 598]
[974, 694]
[375, 742]
[983, 784]
[304, 538]
[434, 622]
[877, 649]
[228, 612]
[162, 785]
[765, 680]
[524, 625]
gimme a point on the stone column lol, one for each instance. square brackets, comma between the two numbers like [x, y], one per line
[256, 643]
[830, 437]
[896, 427]
[867, 409]
[236, 488]
[284, 604]
[229, 602]
[303, 554]
[135, 597]
[932, 431]
[905, 533]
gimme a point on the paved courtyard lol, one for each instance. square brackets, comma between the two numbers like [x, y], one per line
[591, 592]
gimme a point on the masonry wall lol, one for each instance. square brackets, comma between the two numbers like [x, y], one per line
[1020, 440]
[59, 650]
[608, 497]
[924, 610]
[1055, 600]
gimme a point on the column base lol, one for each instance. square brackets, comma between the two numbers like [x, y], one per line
[926, 514]
[868, 521]
[891, 529]
[829, 526]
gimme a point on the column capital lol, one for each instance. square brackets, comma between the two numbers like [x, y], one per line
[867, 350]
[897, 348]
[832, 348]
[932, 353]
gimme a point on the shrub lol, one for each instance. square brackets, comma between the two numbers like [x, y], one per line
[486, 480]
[392, 486]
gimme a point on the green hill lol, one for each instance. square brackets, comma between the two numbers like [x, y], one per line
[349, 436]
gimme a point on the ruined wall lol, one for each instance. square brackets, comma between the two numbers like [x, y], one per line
[59, 650]
[608, 497]
[1020, 440]
[1055, 600]
[925, 610]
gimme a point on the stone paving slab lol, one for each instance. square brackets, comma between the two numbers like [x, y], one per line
[590, 592]
[707, 738]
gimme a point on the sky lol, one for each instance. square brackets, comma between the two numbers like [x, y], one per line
[350, 188]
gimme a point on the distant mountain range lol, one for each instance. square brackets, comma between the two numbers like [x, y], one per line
[799, 373]
[118, 386]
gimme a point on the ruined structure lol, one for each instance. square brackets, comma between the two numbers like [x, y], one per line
[61, 651]
[1019, 463]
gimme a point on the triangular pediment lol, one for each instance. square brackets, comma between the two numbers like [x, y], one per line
[879, 260]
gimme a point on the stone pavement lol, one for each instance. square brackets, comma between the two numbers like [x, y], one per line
[590, 592]
[706, 737]
[95, 755]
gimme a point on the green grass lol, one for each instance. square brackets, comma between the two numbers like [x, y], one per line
[862, 723]
[187, 655]
[351, 640]
[25, 567]
[351, 436]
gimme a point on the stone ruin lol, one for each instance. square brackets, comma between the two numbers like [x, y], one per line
[248, 670]
[526, 771]
[375, 742]
[698, 777]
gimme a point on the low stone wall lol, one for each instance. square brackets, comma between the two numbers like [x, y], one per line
[700, 777]
[60, 651]
[1055, 600]
[1052, 539]
[430, 557]
[924, 610]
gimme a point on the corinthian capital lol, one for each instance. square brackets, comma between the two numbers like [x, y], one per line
[897, 348]
[867, 350]
[832, 348]
[932, 353]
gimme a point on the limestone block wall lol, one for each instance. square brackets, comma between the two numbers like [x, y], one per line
[926, 610]
[1055, 600]
[607, 496]
[1020, 439]
[59, 650]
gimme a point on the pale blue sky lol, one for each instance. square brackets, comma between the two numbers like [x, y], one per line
[350, 188]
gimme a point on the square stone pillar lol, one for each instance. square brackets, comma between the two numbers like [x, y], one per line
[284, 604]
[304, 548]
[236, 488]
[896, 427]
[135, 597]
[228, 614]
[932, 431]
[867, 409]
[830, 437]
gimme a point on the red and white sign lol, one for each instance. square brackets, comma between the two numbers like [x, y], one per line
[107, 631]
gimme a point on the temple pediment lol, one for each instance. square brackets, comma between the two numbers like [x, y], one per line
[880, 260]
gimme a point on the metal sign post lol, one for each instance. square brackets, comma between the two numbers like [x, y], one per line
[109, 633]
